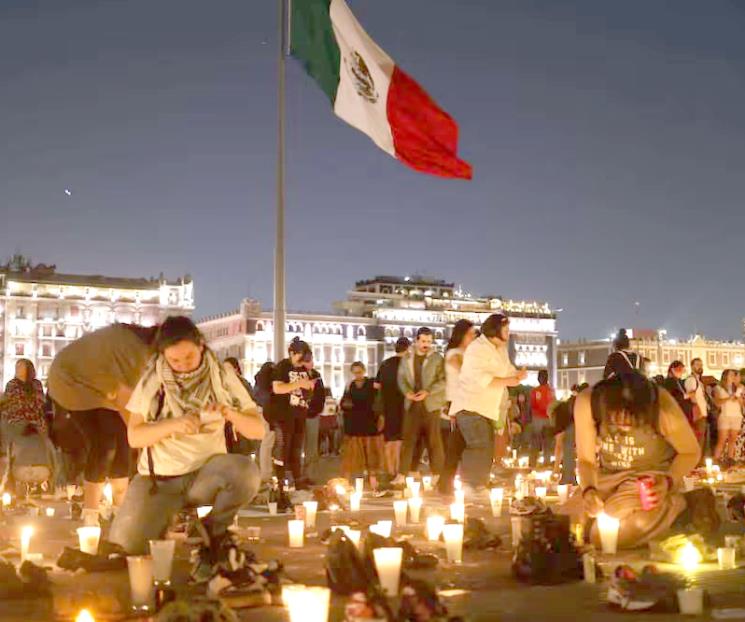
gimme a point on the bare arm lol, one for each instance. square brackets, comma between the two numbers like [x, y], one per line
[247, 423]
[141, 433]
[677, 431]
[586, 441]
[282, 388]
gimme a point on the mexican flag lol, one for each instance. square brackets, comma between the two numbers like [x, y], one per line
[370, 92]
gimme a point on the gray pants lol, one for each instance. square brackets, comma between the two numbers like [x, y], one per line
[478, 434]
[266, 464]
[310, 463]
[227, 482]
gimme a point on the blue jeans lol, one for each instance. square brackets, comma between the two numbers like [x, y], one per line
[227, 482]
[478, 434]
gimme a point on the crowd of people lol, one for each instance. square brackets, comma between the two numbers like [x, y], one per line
[154, 412]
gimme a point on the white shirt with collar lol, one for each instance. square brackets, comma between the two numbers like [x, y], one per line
[482, 362]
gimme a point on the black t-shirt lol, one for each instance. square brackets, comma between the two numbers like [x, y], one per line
[288, 405]
[393, 399]
[357, 404]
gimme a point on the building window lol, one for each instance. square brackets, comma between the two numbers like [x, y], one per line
[565, 359]
[21, 313]
[46, 331]
[74, 311]
[20, 349]
[582, 358]
[725, 359]
[46, 350]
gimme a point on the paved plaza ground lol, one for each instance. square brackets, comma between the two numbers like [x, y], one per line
[488, 590]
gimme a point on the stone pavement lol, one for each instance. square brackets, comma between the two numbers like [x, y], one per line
[486, 590]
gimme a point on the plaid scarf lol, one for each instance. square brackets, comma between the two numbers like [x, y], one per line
[190, 392]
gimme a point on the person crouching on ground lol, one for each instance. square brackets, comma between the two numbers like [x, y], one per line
[178, 412]
[629, 430]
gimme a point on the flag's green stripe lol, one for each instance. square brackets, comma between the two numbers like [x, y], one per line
[313, 43]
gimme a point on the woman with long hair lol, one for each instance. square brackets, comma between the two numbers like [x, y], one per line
[178, 414]
[631, 434]
[728, 395]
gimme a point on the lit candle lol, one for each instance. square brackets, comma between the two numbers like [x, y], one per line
[296, 531]
[523, 462]
[359, 485]
[415, 488]
[427, 482]
[496, 496]
[457, 484]
[689, 556]
[453, 542]
[726, 558]
[514, 454]
[460, 496]
[434, 527]
[88, 538]
[203, 510]
[409, 482]
[6, 500]
[340, 490]
[382, 528]
[141, 588]
[26, 533]
[108, 494]
[50, 512]
[517, 530]
[608, 527]
[709, 464]
[354, 535]
[355, 500]
[415, 507]
[458, 512]
[399, 508]
[541, 460]
[691, 601]
[541, 492]
[388, 565]
[518, 487]
[579, 533]
[85, 616]
[563, 490]
[311, 509]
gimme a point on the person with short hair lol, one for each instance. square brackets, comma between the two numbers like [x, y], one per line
[362, 449]
[178, 412]
[392, 404]
[622, 360]
[421, 379]
[695, 389]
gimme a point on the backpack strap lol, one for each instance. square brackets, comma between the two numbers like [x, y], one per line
[150, 463]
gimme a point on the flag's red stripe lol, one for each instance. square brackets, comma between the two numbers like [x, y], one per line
[425, 136]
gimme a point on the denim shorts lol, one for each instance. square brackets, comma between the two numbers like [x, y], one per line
[477, 430]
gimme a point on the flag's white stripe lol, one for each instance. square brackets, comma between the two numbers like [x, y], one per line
[366, 113]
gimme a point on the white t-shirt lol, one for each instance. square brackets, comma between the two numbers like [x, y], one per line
[180, 454]
[452, 374]
[730, 408]
[692, 383]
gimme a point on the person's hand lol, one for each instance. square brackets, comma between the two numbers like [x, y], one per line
[422, 395]
[305, 384]
[593, 503]
[658, 492]
[381, 423]
[411, 396]
[188, 424]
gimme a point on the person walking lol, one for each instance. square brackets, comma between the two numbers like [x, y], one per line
[90, 382]
[392, 402]
[729, 397]
[178, 413]
[541, 397]
[362, 448]
[421, 379]
[485, 375]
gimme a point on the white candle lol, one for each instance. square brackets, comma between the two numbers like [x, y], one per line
[162, 554]
[415, 507]
[26, 533]
[388, 565]
[608, 527]
[523, 462]
[296, 532]
[6, 500]
[457, 484]
[453, 534]
[427, 482]
[400, 508]
[382, 528]
[563, 490]
[434, 527]
[141, 582]
[691, 601]
[354, 535]
[311, 509]
[726, 558]
[458, 512]
[108, 494]
[518, 487]
[541, 492]
[496, 496]
[272, 507]
[709, 464]
[409, 482]
[359, 485]
[85, 616]
[50, 512]
[460, 496]
[541, 460]
[355, 500]
[203, 510]
[514, 454]
[88, 538]
[70, 491]
[415, 488]
[340, 490]
[516, 523]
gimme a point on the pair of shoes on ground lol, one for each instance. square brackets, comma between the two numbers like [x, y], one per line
[640, 592]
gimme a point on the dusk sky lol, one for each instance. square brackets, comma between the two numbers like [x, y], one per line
[607, 139]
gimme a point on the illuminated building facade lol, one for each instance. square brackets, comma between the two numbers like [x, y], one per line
[41, 311]
[374, 315]
[584, 360]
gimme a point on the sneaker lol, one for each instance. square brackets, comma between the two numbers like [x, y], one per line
[398, 481]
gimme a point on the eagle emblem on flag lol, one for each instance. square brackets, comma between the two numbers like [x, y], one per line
[363, 80]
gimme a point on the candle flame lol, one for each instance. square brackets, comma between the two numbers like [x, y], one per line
[689, 556]
[85, 616]
[340, 489]
[6, 498]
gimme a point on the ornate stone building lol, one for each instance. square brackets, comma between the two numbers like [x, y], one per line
[374, 315]
[41, 310]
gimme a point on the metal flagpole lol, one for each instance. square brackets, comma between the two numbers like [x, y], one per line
[279, 245]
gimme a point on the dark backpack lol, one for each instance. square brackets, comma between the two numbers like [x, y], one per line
[263, 384]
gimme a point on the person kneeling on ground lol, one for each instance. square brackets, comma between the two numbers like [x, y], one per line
[629, 429]
[178, 414]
